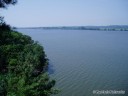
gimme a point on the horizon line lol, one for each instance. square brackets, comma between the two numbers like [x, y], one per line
[70, 26]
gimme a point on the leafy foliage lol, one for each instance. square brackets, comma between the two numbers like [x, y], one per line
[4, 3]
[23, 65]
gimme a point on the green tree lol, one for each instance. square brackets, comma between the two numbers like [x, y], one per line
[28, 73]
[23, 63]
[5, 3]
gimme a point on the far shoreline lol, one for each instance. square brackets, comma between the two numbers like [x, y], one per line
[102, 28]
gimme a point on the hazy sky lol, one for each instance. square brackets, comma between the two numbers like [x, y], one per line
[30, 13]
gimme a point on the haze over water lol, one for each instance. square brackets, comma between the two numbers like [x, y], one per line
[82, 60]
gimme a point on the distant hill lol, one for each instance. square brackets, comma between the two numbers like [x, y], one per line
[106, 28]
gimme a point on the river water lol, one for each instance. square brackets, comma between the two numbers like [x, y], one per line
[82, 61]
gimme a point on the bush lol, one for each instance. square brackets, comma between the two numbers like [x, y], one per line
[23, 67]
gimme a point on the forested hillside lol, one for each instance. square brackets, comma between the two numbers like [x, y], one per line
[23, 65]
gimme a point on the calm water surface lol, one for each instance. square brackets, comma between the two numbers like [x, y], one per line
[82, 61]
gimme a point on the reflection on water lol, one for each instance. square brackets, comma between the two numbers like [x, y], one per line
[51, 68]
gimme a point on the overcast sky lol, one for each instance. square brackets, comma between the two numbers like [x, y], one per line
[37, 13]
